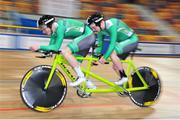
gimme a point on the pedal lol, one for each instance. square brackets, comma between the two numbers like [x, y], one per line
[126, 93]
[81, 93]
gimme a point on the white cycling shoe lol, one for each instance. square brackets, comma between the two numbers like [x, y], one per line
[78, 81]
[90, 85]
[121, 81]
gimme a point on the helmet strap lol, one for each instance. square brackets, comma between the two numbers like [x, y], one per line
[54, 26]
[43, 26]
[99, 25]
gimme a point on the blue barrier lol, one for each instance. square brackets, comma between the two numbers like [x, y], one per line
[29, 23]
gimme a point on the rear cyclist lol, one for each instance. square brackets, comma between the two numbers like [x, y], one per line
[83, 39]
[122, 40]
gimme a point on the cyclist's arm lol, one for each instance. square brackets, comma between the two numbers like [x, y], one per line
[113, 37]
[52, 40]
[99, 47]
[55, 43]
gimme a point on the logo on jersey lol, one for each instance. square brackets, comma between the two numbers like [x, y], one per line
[108, 24]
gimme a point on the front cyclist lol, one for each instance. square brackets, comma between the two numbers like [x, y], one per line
[122, 40]
[83, 39]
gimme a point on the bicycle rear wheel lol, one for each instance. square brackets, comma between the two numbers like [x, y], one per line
[33, 93]
[147, 97]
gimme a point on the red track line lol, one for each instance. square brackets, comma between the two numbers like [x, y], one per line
[8, 102]
[65, 106]
[12, 109]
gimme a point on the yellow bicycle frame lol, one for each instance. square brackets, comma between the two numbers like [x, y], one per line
[60, 60]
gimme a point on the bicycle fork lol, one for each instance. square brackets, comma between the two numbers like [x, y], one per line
[51, 74]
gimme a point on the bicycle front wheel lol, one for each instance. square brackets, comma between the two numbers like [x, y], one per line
[149, 96]
[33, 93]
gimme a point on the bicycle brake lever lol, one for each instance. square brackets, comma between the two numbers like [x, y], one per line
[42, 56]
[106, 62]
[95, 63]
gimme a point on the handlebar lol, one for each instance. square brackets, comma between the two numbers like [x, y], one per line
[47, 53]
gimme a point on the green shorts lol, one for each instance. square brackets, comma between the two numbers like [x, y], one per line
[83, 43]
[127, 45]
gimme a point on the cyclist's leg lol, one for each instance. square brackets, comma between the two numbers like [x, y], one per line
[123, 47]
[117, 66]
[67, 53]
[83, 44]
[79, 44]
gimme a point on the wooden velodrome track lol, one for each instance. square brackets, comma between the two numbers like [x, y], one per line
[14, 64]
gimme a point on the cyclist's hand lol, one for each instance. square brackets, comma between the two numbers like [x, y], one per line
[102, 60]
[34, 48]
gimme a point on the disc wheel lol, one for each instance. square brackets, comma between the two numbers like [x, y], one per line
[145, 98]
[33, 93]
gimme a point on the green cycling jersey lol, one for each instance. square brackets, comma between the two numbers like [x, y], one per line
[69, 29]
[118, 32]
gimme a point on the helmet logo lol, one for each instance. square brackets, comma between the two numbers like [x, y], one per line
[98, 20]
[49, 21]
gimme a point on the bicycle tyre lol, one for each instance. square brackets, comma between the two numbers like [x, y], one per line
[32, 89]
[145, 98]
